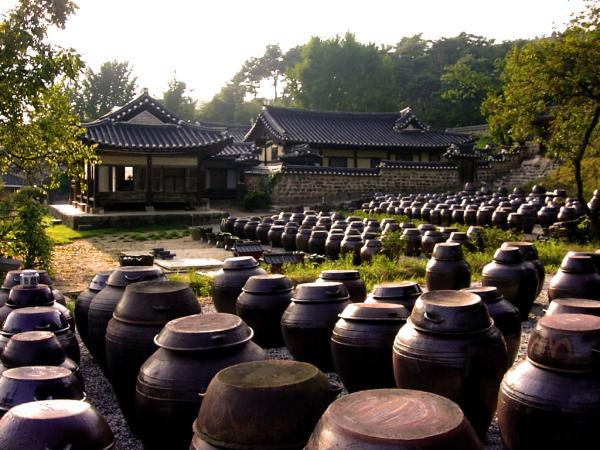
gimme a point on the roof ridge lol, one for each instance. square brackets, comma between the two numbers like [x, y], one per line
[345, 113]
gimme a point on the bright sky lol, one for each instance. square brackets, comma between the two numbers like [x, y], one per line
[206, 42]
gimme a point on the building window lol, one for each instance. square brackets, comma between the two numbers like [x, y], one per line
[274, 153]
[375, 162]
[404, 157]
[337, 161]
[139, 178]
[174, 180]
[123, 178]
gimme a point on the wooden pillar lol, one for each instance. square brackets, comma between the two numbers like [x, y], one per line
[96, 181]
[200, 181]
[149, 171]
[90, 184]
[355, 158]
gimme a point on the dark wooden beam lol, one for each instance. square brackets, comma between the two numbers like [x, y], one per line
[149, 180]
[200, 175]
[96, 181]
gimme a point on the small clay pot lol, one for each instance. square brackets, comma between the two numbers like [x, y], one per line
[403, 293]
[447, 268]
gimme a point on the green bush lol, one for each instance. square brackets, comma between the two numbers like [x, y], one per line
[200, 284]
[255, 200]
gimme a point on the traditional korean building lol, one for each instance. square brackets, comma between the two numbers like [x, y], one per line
[347, 139]
[150, 157]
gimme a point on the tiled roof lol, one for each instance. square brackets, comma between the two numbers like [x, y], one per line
[302, 153]
[346, 129]
[144, 125]
[273, 258]
[238, 131]
[12, 181]
[318, 170]
[431, 165]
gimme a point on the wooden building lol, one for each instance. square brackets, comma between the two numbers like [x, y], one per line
[149, 157]
[347, 139]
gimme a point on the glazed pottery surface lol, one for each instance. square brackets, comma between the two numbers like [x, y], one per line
[228, 282]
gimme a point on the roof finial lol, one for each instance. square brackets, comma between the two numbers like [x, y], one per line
[145, 90]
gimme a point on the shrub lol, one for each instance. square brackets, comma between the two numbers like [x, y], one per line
[200, 284]
[255, 200]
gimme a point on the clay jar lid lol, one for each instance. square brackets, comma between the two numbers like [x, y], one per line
[125, 275]
[458, 236]
[411, 232]
[433, 233]
[30, 296]
[426, 227]
[340, 275]
[13, 278]
[322, 234]
[573, 306]
[594, 255]
[323, 292]
[55, 424]
[305, 231]
[336, 235]
[527, 249]
[396, 290]
[33, 348]
[448, 251]
[391, 418]
[240, 263]
[267, 284]
[156, 302]
[451, 312]
[203, 332]
[574, 264]
[375, 312]
[352, 238]
[373, 243]
[568, 342]
[508, 255]
[99, 280]
[489, 294]
[35, 318]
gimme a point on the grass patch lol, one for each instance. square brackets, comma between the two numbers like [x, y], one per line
[200, 284]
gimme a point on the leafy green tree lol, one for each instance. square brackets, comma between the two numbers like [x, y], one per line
[176, 100]
[113, 85]
[555, 78]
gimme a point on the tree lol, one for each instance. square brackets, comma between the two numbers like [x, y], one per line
[555, 78]
[175, 99]
[113, 85]
[38, 130]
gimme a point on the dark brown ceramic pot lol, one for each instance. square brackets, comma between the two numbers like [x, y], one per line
[228, 282]
[484, 216]
[333, 245]
[500, 218]
[55, 424]
[429, 240]
[316, 242]
[37, 348]
[505, 315]
[350, 279]
[261, 304]
[13, 278]
[573, 306]
[82, 305]
[41, 318]
[274, 235]
[403, 293]
[447, 268]
[398, 419]
[351, 244]
[302, 238]
[250, 229]
[470, 216]
[191, 351]
[262, 232]
[370, 249]
[514, 278]
[551, 400]
[577, 277]
[450, 347]
[594, 255]
[411, 239]
[288, 238]
[361, 344]
[530, 255]
[34, 383]
[264, 404]
[140, 315]
[308, 321]
[104, 303]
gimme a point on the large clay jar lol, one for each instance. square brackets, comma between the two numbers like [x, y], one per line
[351, 244]
[394, 419]
[82, 304]
[104, 303]
[37, 348]
[228, 224]
[403, 293]
[551, 400]
[450, 347]
[370, 249]
[515, 279]
[263, 404]
[577, 277]
[505, 315]
[361, 344]
[27, 384]
[350, 279]
[530, 255]
[308, 321]
[238, 227]
[447, 268]
[13, 278]
[262, 232]
[302, 238]
[228, 282]
[55, 424]
[316, 242]
[274, 235]
[288, 238]
[191, 351]
[429, 240]
[333, 245]
[573, 306]
[140, 315]
[411, 239]
[250, 229]
[41, 318]
[261, 304]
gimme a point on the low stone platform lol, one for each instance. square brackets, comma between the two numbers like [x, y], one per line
[78, 220]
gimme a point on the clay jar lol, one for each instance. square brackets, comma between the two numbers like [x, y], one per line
[403, 293]
[104, 303]
[261, 304]
[35, 383]
[552, 399]
[250, 229]
[350, 279]
[505, 315]
[450, 347]
[263, 404]
[262, 232]
[361, 344]
[228, 282]
[333, 245]
[238, 227]
[429, 240]
[316, 242]
[447, 268]
[577, 277]
[394, 419]
[13, 278]
[530, 255]
[411, 238]
[371, 248]
[140, 315]
[41, 318]
[274, 235]
[516, 280]
[288, 238]
[82, 304]
[308, 321]
[351, 244]
[191, 351]
[573, 306]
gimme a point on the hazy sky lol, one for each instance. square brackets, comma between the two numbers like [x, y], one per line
[206, 42]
